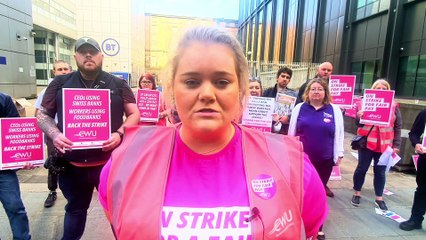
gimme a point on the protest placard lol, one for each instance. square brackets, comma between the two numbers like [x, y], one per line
[351, 112]
[21, 142]
[258, 113]
[148, 102]
[342, 90]
[415, 160]
[87, 121]
[377, 107]
[284, 104]
[336, 175]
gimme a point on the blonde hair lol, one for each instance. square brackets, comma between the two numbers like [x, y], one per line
[381, 81]
[324, 84]
[211, 35]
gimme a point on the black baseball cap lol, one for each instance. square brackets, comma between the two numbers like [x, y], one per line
[87, 40]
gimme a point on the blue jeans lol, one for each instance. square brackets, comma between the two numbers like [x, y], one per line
[77, 184]
[10, 197]
[364, 159]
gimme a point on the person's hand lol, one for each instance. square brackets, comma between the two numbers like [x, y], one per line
[62, 143]
[360, 113]
[419, 149]
[28, 166]
[283, 119]
[275, 117]
[112, 142]
[396, 150]
[164, 113]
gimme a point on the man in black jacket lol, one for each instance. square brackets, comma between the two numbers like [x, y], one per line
[324, 71]
[84, 166]
[280, 121]
[419, 204]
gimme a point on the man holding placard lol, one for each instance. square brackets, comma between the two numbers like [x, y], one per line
[324, 71]
[10, 194]
[417, 137]
[285, 99]
[90, 105]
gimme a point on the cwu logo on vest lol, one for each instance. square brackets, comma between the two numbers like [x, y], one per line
[282, 224]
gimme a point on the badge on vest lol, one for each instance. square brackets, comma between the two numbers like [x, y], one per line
[327, 118]
[264, 186]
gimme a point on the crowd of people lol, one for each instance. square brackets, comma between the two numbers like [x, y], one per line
[196, 165]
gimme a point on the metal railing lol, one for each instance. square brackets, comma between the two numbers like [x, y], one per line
[267, 72]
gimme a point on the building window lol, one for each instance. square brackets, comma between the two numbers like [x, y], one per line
[41, 73]
[39, 40]
[412, 76]
[365, 8]
[40, 56]
[366, 73]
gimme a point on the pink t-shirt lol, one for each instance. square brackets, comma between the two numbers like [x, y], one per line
[206, 195]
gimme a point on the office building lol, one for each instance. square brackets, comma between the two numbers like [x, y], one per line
[369, 38]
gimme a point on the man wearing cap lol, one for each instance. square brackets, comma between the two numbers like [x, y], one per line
[82, 169]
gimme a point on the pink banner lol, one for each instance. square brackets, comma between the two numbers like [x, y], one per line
[415, 160]
[149, 105]
[87, 120]
[377, 107]
[342, 89]
[21, 142]
[336, 175]
[258, 113]
[351, 112]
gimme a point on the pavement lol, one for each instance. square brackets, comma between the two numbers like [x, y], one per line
[344, 220]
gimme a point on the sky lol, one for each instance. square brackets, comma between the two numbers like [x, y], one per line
[227, 9]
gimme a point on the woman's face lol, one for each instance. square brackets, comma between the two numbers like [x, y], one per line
[145, 84]
[316, 93]
[255, 89]
[206, 88]
[381, 87]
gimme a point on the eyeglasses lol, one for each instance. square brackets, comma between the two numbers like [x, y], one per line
[62, 69]
[146, 82]
[316, 89]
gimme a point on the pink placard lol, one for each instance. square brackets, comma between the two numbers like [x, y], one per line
[87, 121]
[21, 142]
[258, 113]
[351, 112]
[342, 90]
[415, 160]
[377, 107]
[336, 174]
[149, 105]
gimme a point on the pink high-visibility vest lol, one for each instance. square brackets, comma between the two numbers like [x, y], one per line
[139, 170]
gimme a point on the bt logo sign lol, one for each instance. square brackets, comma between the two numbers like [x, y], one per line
[110, 47]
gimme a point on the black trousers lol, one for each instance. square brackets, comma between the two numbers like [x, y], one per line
[419, 203]
[52, 178]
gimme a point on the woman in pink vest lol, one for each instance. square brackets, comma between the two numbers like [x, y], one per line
[208, 178]
[147, 81]
[379, 138]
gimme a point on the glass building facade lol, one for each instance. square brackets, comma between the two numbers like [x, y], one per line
[369, 38]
